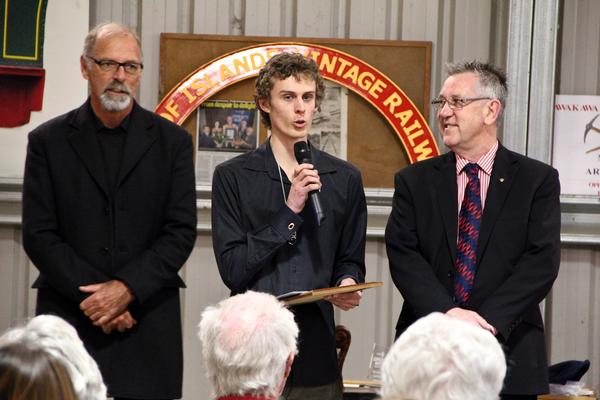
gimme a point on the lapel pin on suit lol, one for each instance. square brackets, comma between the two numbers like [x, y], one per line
[501, 180]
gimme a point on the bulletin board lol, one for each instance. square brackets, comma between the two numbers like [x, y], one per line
[373, 146]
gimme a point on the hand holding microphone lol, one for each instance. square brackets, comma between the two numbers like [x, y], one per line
[308, 178]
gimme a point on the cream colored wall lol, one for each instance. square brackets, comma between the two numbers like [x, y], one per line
[67, 22]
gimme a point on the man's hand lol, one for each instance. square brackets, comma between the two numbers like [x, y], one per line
[305, 180]
[346, 301]
[471, 317]
[107, 301]
[121, 323]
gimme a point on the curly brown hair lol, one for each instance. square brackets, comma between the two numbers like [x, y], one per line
[282, 66]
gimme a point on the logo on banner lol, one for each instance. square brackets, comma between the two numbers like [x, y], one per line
[337, 66]
[591, 128]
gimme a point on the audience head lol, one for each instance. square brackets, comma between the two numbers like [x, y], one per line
[443, 358]
[29, 373]
[60, 341]
[248, 344]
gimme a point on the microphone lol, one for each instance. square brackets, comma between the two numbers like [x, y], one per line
[303, 156]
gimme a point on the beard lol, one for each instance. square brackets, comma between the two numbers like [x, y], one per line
[115, 103]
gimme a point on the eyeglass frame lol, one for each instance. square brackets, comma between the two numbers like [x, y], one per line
[439, 102]
[109, 65]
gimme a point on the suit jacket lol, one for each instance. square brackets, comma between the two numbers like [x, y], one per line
[77, 233]
[518, 253]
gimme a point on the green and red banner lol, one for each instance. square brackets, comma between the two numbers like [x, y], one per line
[21, 60]
[22, 33]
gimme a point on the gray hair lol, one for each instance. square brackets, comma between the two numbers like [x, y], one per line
[443, 358]
[246, 342]
[90, 39]
[492, 80]
[59, 339]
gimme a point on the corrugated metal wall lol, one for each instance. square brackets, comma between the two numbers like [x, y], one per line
[459, 29]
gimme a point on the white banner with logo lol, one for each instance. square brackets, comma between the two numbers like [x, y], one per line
[577, 144]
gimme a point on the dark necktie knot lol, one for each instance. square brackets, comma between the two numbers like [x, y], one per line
[471, 170]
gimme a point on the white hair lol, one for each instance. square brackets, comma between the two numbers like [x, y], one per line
[114, 103]
[246, 342]
[443, 358]
[58, 338]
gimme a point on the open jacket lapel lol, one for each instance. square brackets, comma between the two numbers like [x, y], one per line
[140, 137]
[446, 192]
[503, 173]
[84, 141]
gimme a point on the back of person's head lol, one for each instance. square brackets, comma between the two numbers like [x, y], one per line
[28, 373]
[443, 358]
[281, 66]
[60, 340]
[248, 344]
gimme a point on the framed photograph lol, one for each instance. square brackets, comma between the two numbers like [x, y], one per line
[226, 128]
[227, 125]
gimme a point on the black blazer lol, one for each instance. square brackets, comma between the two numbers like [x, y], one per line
[76, 234]
[518, 253]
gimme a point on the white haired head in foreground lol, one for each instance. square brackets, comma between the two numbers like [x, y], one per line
[59, 339]
[248, 344]
[443, 358]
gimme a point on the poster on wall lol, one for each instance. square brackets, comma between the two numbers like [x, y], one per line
[226, 129]
[577, 144]
[329, 131]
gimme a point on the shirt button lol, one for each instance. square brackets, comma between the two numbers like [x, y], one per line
[104, 250]
[291, 226]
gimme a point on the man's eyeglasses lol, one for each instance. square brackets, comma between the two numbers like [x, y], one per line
[131, 68]
[455, 103]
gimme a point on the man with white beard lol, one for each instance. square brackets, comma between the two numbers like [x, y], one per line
[109, 218]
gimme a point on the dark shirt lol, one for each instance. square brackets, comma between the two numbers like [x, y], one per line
[253, 232]
[206, 140]
[112, 142]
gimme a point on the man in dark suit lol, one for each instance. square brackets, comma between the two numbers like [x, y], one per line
[492, 263]
[109, 218]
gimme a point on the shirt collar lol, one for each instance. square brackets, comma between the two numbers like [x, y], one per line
[485, 162]
[262, 159]
[98, 125]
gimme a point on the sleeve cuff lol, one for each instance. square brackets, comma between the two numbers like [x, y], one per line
[286, 223]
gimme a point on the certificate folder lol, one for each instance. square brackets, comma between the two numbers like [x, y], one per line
[308, 296]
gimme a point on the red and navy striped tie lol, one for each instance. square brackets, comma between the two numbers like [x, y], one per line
[469, 222]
